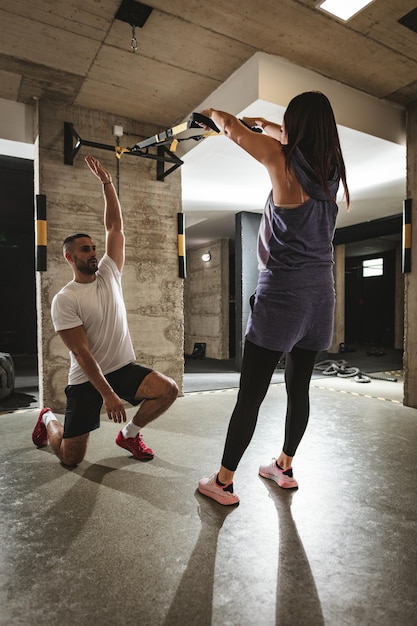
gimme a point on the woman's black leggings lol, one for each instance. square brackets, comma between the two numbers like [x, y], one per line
[258, 365]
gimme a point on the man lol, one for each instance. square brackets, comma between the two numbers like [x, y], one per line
[89, 315]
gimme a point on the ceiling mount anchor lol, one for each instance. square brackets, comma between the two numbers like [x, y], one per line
[134, 41]
[135, 14]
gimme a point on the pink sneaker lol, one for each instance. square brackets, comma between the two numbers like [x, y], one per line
[40, 434]
[135, 445]
[224, 495]
[283, 478]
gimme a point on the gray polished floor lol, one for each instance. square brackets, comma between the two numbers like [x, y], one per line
[118, 542]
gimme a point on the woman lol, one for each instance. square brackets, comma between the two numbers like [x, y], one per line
[293, 307]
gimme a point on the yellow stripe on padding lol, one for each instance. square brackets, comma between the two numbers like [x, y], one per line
[41, 233]
[407, 236]
[181, 245]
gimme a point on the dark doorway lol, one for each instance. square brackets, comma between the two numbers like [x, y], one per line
[232, 305]
[370, 300]
[17, 257]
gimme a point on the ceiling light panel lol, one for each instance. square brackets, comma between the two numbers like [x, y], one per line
[342, 9]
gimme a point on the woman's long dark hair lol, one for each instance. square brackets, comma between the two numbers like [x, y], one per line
[311, 127]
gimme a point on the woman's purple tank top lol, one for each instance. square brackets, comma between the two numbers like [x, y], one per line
[300, 237]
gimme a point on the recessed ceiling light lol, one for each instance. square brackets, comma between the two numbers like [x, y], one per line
[342, 9]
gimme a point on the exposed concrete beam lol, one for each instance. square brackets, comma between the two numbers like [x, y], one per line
[274, 80]
[16, 121]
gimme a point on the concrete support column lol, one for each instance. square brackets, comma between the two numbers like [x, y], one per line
[339, 313]
[246, 274]
[410, 279]
[399, 302]
[153, 291]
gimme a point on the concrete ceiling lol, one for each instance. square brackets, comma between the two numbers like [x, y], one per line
[77, 52]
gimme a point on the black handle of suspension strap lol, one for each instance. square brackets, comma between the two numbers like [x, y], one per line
[255, 129]
[197, 119]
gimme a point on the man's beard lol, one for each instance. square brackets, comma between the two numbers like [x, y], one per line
[89, 268]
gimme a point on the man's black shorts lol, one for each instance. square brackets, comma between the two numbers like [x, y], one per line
[82, 413]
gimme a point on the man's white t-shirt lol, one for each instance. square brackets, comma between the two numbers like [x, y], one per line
[100, 308]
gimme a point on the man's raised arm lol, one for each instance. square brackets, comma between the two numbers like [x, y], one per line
[113, 221]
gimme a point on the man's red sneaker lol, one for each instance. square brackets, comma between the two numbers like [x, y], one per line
[40, 434]
[135, 445]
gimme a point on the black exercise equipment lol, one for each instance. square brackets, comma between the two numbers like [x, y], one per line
[164, 155]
